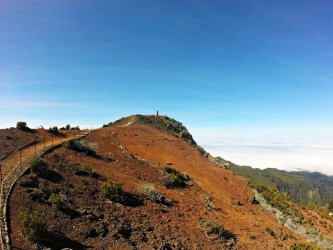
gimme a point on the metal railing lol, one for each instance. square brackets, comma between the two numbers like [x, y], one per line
[18, 149]
[12, 168]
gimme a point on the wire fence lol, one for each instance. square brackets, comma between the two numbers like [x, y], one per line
[13, 167]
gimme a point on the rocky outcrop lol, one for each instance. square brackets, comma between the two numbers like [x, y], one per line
[288, 221]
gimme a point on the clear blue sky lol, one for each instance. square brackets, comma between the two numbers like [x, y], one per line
[240, 68]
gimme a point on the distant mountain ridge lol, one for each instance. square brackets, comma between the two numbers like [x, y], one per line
[302, 187]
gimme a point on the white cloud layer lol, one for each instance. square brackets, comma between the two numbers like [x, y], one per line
[313, 156]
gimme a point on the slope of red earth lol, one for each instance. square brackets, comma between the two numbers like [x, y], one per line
[12, 138]
[136, 156]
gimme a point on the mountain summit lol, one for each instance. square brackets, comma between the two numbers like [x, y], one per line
[162, 123]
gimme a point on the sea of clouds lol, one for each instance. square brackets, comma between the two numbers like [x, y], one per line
[313, 156]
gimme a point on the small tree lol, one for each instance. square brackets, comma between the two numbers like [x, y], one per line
[55, 128]
[21, 125]
[68, 127]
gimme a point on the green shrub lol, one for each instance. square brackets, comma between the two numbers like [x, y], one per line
[212, 227]
[33, 226]
[40, 195]
[70, 144]
[177, 179]
[201, 150]
[252, 237]
[171, 170]
[112, 190]
[278, 200]
[38, 166]
[304, 246]
[88, 169]
[81, 145]
[270, 231]
[57, 201]
[30, 182]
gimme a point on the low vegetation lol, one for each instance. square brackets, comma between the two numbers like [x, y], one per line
[33, 226]
[178, 180]
[30, 182]
[279, 201]
[57, 201]
[212, 227]
[90, 171]
[82, 145]
[270, 231]
[208, 201]
[38, 166]
[151, 193]
[304, 246]
[112, 190]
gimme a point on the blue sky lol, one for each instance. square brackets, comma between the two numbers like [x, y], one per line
[243, 69]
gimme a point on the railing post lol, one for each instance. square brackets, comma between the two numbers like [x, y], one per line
[0, 174]
[21, 161]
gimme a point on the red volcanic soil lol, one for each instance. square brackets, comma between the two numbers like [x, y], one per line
[12, 139]
[229, 192]
[136, 156]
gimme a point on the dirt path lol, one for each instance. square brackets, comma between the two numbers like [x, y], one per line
[11, 165]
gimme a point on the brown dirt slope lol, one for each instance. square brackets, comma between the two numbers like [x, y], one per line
[13, 138]
[169, 217]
